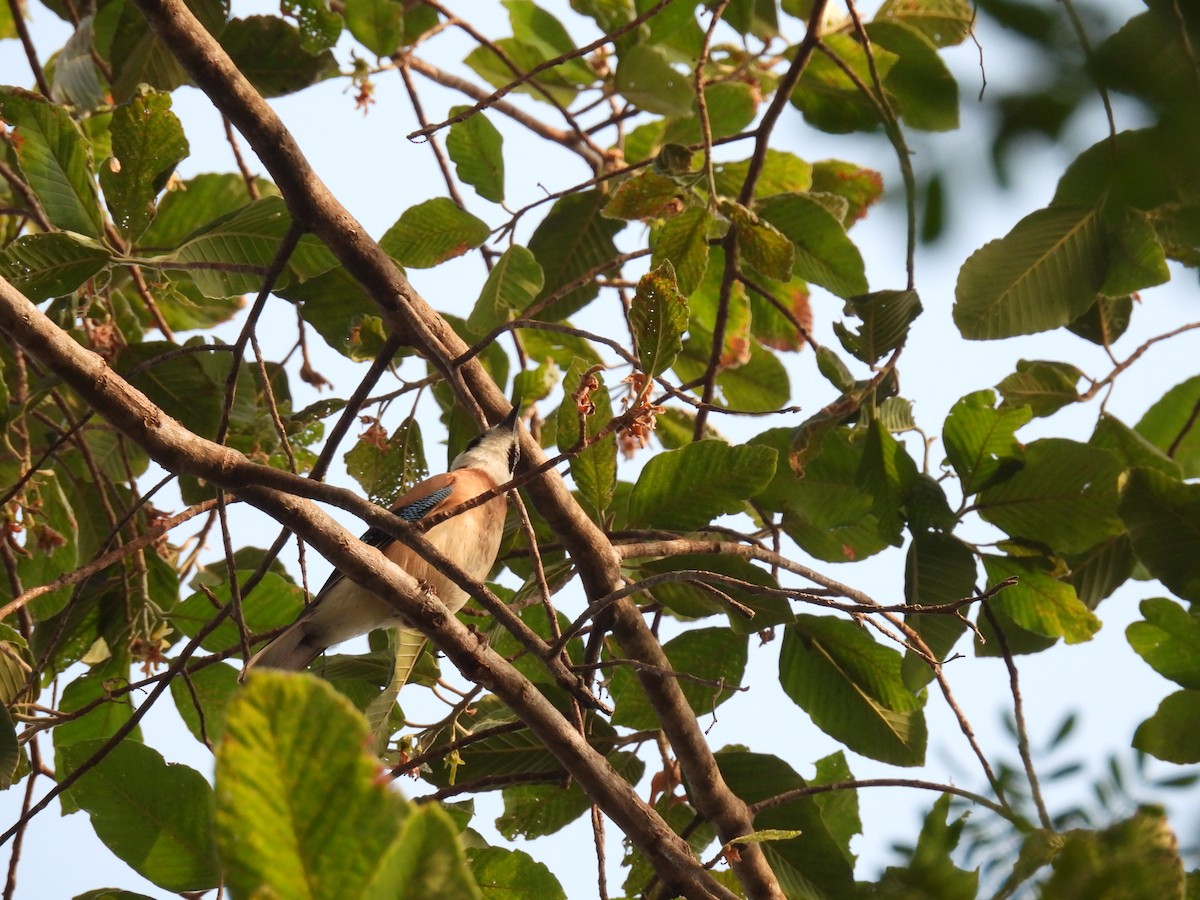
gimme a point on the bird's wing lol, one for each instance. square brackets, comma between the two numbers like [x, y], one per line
[425, 498]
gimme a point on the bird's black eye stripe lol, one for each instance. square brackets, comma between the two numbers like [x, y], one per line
[514, 454]
[475, 442]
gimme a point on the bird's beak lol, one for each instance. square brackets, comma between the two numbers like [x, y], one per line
[509, 422]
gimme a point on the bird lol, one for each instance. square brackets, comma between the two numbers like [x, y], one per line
[342, 609]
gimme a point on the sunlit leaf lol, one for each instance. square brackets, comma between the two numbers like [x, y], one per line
[1065, 496]
[824, 254]
[683, 241]
[1169, 640]
[646, 79]
[154, 815]
[475, 146]
[1039, 602]
[684, 489]
[1043, 274]
[54, 159]
[433, 232]
[979, 441]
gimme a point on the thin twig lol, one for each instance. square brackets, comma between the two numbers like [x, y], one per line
[1014, 682]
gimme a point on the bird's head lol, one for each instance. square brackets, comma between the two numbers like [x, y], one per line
[495, 451]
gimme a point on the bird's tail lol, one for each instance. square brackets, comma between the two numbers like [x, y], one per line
[407, 643]
[292, 650]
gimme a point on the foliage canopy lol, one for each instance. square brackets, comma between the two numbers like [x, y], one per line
[667, 294]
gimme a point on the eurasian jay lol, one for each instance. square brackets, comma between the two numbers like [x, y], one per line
[343, 610]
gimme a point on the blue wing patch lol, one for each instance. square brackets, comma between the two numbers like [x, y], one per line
[414, 512]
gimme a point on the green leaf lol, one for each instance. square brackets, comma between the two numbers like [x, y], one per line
[1163, 518]
[758, 385]
[824, 254]
[534, 26]
[54, 159]
[202, 698]
[945, 22]
[782, 173]
[763, 247]
[979, 441]
[594, 469]
[756, 17]
[1171, 426]
[532, 385]
[1043, 274]
[428, 860]
[646, 79]
[851, 687]
[301, 812]
[75, 79]
[1169, 640]
[818, 863]
[195, 203]
[886, 318]
[272, 603]
[931, 871]
[52, 264]
[510, 753]
[1064, 496]
[572, 241]
[377, 24]
[432, 232]
[685, 489]
[1039, 602]
[658, 316]
[1137, 857]
[136, 54]
[504, 874]
[1137, 260]
[732, 106]
[532, 811]
[271, 54]
[155, 816]
[939, 569]
[147, 142]
[828, 98]
[230, 255]
[713, 655]
[475, 146]
[1045, 387]
[919, 83]
[1173, 732]
[647, 195]
[320, 27]
[682, 240]
[52, 527]
[828, 510]
[1131, 447]
[1099, 571]
[10, 750]
[385, 466]
[185, 308]
[515, 279]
